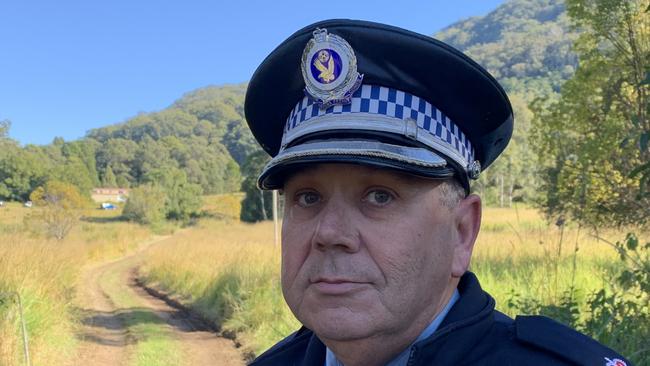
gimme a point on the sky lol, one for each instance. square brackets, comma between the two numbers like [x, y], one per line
[69, 66]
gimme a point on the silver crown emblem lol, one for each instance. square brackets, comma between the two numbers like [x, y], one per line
[474, 169]
[329, 68]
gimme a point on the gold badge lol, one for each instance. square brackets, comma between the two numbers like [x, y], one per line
[329, 68]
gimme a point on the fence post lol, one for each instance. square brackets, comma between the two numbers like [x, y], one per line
[276, 230]
[23, 327]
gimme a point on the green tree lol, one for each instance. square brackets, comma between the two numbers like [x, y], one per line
[75, 172]
[240, 141]
[109, 178]
[257, 204]
[21, 171]
[592, 144]
[119, 154]
[146, 205]
[85, 152]
[152, 154]
[5, 126]
[183, 199]
[232, 177]
[592, 139]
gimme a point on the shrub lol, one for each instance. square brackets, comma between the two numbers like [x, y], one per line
[257, 204]
[146, 205]
[61, 203]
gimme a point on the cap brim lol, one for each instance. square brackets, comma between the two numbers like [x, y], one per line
[412, 160]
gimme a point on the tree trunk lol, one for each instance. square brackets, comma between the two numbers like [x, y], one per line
[501, 194]
[264, 216]
[511, 188]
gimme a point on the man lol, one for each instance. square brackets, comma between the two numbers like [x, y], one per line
[379, 225]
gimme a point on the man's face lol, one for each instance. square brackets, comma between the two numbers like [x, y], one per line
[365, 252]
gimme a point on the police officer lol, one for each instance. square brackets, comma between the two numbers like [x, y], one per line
[375, 134]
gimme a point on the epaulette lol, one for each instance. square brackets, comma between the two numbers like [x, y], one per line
[560, 340]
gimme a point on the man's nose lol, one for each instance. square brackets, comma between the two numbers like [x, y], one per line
[336, 227]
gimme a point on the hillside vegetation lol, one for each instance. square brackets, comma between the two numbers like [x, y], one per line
[528, 46]
[201, 137]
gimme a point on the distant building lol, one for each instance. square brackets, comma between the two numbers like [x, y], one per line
[110, 194]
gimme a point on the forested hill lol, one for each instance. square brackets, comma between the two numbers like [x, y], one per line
[215, 113]
[525, 44]
[199, 142]
[203, 134]
[202, 138]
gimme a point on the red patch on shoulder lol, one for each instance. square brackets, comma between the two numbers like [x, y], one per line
[615, 362]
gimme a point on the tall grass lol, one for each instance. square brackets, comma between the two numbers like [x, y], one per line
[44, 272]
[519, 255]
[229, 271]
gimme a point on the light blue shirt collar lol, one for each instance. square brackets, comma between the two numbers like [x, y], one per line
[402, 358]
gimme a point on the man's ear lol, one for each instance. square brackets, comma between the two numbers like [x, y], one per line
[467, 221]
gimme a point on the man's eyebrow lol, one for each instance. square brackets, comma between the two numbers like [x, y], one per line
[299, 170]
[370, 172]
[402, 177]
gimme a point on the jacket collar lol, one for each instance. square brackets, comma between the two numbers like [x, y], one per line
[466, 325]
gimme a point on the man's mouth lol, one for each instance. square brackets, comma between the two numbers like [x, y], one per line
[337, 286]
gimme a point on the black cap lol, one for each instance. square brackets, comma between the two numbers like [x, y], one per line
[367, 93]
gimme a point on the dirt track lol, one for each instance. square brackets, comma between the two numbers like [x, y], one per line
[106, 339]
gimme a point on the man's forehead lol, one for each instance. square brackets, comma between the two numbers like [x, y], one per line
[330, 171]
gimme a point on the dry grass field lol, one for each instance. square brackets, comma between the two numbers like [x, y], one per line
[229, 271]
[517, 249]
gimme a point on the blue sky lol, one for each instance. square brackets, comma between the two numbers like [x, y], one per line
[69, 66]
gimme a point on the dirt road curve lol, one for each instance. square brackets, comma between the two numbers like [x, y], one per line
[113, 305]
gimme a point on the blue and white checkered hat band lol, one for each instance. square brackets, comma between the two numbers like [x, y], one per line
[379, 108]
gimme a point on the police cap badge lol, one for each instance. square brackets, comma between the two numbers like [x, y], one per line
[329, 68]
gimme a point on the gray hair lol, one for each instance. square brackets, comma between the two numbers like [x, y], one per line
[451, 192]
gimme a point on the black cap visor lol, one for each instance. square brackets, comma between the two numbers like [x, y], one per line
[411, 160]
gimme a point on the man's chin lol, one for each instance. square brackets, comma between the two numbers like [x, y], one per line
[332, 334]
[339, 325]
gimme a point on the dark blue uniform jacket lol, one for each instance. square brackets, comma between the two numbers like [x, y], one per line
[473, 333]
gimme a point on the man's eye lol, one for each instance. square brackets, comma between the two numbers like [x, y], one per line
[308, 198]
[379, 197]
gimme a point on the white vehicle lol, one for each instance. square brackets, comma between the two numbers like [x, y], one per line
[108, 206]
